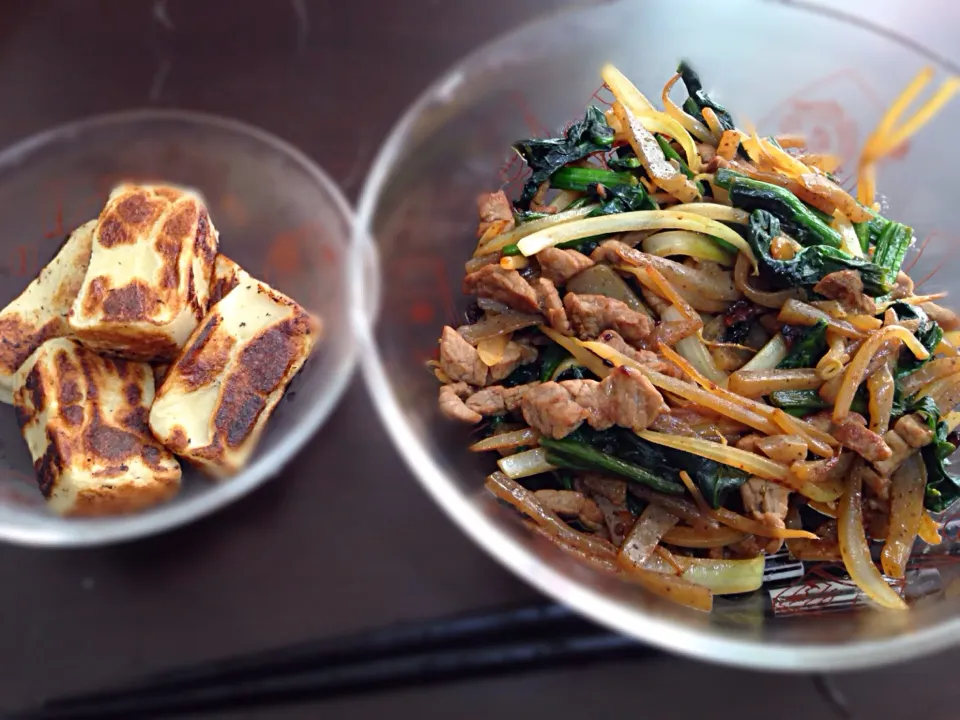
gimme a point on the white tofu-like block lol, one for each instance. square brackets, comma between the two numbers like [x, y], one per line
[84, 418]
[147, 284]
[226, 276]
[40, 311]
[218, 395]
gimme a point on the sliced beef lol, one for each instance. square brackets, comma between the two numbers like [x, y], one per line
[669, 423]
[863, 441]
[505, 286]
[452, 405]
[460, 360]
[514, 355]
[558, 266]
[611, 252]
[494, 208]
[767, 502]
[878, 484]
[613, 490]
[846, 286]
[900, 450]
[550, 409]
[551, 306]
[497, 400]
[903, 286]
[590, 315]
[644, 357]
[947, 319]
[625, 398]
[572, 504]
[914, 431]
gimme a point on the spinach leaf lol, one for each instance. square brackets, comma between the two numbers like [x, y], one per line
[579, 178]
[892, 245]
[522, 375]
[574, 454]
[805, 402]
[868, 233]
[929, 333]
[700, 99]
[808, 349]
[810, 265]
[713, 479]
[544, 156]
[577, 372]
[800, 222]
[620, 198]
[624, 164]
[942, 489]
[550, 360]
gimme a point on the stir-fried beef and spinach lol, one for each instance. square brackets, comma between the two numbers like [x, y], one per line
[690, 347]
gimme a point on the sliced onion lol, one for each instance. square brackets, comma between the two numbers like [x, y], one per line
[849, 242]
[933, 370]
[769, 356]
[684, 242]
[857, 369]
[856, 551]
[603, 563]
[499, 242]
[929, 530]
[721, 577]
[476, 263]
[773, 300]
[652, 119]
[603, 280]
[524, 464]
[906, 512]
[491, 349]
[494, 325]
[716, 211]
[643, 539]
[795, 312]
[508, 440]
[673, 588]
[757, 383]
[630, 222]
[689, 537]
[696, 128]
[493, 306]
[692, 349]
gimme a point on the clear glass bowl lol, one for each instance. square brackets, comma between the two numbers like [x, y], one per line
[781, 68]
[279, 216]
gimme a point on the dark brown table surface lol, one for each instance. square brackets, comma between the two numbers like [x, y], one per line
[344, 539]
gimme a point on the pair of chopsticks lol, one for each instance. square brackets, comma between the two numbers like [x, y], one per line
[444, 650]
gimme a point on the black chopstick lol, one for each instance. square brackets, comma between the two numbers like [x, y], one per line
[414, 653]
[401, 671]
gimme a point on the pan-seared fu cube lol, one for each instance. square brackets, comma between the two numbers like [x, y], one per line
[40, 312]
[147, 284]
[84, 418]
[219, 394]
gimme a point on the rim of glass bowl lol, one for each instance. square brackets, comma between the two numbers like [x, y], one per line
[665, 633]
[101, 531]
